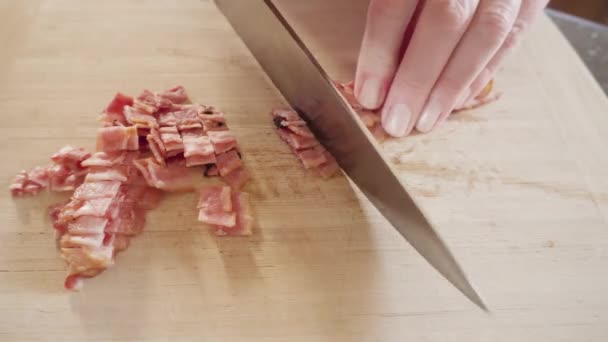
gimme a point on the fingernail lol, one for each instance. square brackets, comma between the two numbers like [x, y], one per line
[396, 120]
[369, 95]
[429, 116]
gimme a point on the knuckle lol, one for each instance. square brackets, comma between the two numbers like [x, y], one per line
[496, 19]
[452, 13]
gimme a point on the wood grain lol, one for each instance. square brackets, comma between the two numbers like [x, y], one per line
[518, 189]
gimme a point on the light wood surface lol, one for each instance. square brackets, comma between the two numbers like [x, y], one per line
[519, 190]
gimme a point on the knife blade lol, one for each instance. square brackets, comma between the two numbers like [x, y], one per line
[309, 90]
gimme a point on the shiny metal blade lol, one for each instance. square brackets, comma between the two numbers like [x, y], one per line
[307, 88]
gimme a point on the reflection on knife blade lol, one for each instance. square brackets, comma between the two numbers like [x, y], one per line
[305, 85]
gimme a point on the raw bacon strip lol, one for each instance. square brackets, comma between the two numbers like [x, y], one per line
[237, 178]
[244, 217]
[228, 162]
[215, 206]
[129, 220]
[222, 141]
[117, 138]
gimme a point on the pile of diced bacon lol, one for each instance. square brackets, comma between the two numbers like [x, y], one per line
[146, 146]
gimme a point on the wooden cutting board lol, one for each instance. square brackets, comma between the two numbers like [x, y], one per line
[519, 189]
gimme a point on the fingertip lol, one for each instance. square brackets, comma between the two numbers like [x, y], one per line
[396, 120]
[370, 92]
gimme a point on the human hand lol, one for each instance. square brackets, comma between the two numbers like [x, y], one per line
[420, 59]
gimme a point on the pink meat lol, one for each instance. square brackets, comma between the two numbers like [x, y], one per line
[175, 94]
[244, 217]
[70, 157]
[117, 138]
[215, 206]
[135, 116]
[118, 103]
[237, 178]
[222, 141]
[311, 157]
[87, 225]
[103, 159]
[116, 173]
[171, 139]
[96, 190]
[228, 162]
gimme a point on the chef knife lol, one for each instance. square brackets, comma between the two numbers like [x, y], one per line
[308, 89]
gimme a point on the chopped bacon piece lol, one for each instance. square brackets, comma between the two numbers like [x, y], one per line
[213, 120]
[117, 138]
[136, 117]
[30, 182]
[198, 150]
[228, 162]
[173, 177]
[116, 173]
[287, 114]
[237, 178]
[244, 217]
[85, 259]
[167, 119]
[70, 157]
[118, 103]
[103, 159]
[296, 141]
[65, 179]
[311, 157]
[96, 190]
[157, 146]
[222, 141]
[54, 213]
[71, 241]
[128, 221]
[87, 225]
[176, 94]
[330, 167]
[188, 117]
[171, 139]
[97, 207]
[143, 107]
[215, 206]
